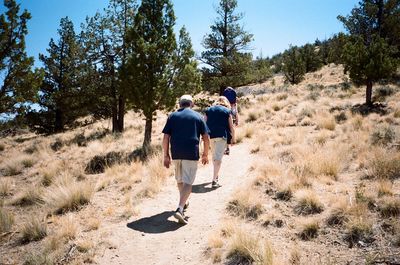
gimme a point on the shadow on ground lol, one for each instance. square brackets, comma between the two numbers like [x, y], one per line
[202, 188]
[155, 224]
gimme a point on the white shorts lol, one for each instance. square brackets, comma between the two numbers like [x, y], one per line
[185, 171]
[218, 146]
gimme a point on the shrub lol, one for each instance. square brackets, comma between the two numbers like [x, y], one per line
[313, 95]
[383, 135]
[308, 204]
[6, 220]
[2, 147]
[326, 122]
[396, 114]
[341, 117]
[253, 116]
[284, 194]
[98, 163]
[337, 217]
[382, 92]
[33, 230]
[5, 187]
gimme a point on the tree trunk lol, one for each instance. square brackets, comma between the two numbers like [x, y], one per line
[58, 125]
[147, 133]
[121, 113]
[368, 94]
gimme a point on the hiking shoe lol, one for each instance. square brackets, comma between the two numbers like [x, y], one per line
[186, 206]
[215, 184]
[180, 217]
[226, 151]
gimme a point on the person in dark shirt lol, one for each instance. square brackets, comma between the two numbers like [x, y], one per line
[219, 121]
[231, 95]
[182, 131]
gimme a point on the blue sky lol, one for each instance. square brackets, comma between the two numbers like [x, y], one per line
[275, 24]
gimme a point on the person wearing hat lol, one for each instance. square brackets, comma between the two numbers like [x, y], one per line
[219, 121]
[182, 133]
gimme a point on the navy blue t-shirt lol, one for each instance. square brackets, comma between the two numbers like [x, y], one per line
[218, 121]
[230, 94]
[185, 127]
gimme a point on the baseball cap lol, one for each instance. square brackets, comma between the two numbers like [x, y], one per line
[185, 98]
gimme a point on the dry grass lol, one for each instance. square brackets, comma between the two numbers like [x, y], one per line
[2, 147]
[5, 187]
[308, 203]
[33, 195]
[84, 246]
[246, 205]
[68, 195]
[358, 229]
[33, 230]
[339, 213]
[153, 175]
[326, 121]
[384, 188]
[50, 172]
[383, 164]
[389, 207]
[309, 229]
[247, 248]
[6, 220]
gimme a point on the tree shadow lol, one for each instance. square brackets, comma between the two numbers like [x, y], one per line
[201, 188]
[155, 224]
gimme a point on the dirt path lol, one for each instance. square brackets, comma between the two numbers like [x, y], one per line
[154, 237]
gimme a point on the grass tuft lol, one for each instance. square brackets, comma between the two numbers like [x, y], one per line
[390, 207]
[309, 230]
[246, 205]
[33, 230]
[6, 220]
[308, 204]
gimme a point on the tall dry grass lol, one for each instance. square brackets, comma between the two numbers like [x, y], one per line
[245, 204]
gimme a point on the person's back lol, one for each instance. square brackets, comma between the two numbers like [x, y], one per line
[185, 129]
[218, 121]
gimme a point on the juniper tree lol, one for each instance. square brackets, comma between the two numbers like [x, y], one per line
[158, 70]
[370, 54]
[225, 48]
[105, 41]
[19, 83]
[293, 65]
[60, 92]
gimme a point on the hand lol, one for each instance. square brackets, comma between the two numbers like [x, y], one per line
[204, 159]
[167, 161]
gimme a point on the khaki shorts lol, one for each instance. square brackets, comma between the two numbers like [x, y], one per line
[185, 171]
[218, 146]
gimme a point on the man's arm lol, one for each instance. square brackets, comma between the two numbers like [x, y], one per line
[206, 145]
[165, 145]
[232, 129]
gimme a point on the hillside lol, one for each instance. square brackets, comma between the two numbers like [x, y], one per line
[311, 181]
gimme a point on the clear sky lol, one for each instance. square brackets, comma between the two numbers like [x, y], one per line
[274, 23]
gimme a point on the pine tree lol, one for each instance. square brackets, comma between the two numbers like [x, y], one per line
[19, 82]
[225, 47]
[370, 54]
[158, 69]
[60, 93]
[293, 65]
[105, 41]
[311, 58]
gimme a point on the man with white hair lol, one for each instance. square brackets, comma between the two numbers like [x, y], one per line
[182, 131]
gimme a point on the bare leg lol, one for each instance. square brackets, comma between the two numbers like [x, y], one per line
[217, 167]
[184, 193]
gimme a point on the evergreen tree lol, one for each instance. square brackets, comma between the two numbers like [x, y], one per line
[158, 70]
[370, 55]
[225, 47]
[60, 93]
[19, 83]
[311, 58]
[105, 41]
[293, 65]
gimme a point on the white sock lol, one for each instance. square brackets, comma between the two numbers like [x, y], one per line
[180, 208]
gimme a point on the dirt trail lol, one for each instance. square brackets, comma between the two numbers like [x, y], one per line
[154, 237]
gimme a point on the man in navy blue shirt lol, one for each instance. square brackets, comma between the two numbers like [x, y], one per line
[182, 131]
[219, 121]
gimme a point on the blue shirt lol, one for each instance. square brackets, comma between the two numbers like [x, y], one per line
[230, 94]
[218, 121]
[185, 127]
